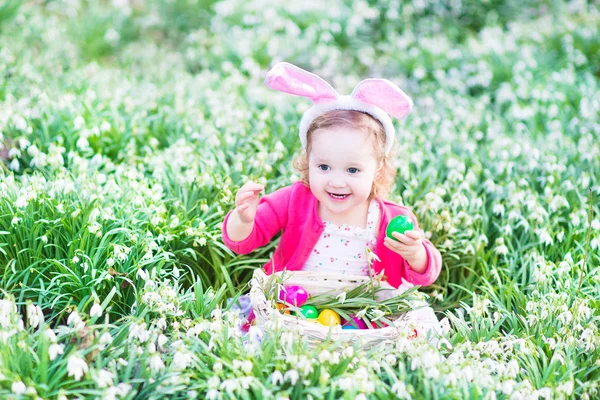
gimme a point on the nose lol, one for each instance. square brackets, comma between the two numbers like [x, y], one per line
[337, 182]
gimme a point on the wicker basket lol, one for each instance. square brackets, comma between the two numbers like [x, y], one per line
[317, 284]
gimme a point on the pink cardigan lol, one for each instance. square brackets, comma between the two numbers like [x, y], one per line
[294, 210]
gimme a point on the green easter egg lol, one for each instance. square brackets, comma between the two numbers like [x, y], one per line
[401, 224]
[309, 312]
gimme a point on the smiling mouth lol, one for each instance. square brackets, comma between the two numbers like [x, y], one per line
[338, 196]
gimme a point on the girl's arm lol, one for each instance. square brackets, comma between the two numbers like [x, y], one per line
[240, 223]
[270, 217]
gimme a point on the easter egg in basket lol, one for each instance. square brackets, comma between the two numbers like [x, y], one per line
[293, 294]
[309, 312]
[356, 323]
[400, 224]
[329, 317]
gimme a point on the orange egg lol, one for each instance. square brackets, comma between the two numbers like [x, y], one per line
[283, 308]
[329, 317]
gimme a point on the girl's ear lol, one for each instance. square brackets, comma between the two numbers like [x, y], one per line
[288, 78]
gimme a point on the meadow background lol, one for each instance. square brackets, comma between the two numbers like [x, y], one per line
[126, 127]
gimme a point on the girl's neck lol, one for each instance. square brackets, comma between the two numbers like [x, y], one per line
[354, 217]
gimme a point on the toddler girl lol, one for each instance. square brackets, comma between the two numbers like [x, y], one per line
[337, 211]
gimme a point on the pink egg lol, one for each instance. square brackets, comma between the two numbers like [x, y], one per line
[360, 324]
[251, 316]
[295, 295]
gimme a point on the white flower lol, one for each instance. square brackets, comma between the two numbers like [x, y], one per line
[119, 391]
[106, 338]
[96, 310]
[371, 256]
[50, 335]
[181, 360]
[112, 36]
[156, 363]
[292, 376]
[341, 297]
[54, 350]
[162, 340]
[76, 367]
[34, 315]
[75, 320]
[18, 387]
[105, 378]
[78, 122]
[247, 366]
[277, 378]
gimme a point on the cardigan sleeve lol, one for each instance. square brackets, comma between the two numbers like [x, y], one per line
[434, 263]
[271, 217]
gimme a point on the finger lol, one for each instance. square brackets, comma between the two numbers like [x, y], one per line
[416, 235]
[402, 238]
[245, 195]
[394, 245]
[255, 187]
[245, 214]
[242, 208]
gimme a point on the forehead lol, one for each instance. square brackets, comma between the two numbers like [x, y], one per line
[343, 142]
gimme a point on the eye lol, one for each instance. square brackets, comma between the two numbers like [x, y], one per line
[353, 170]
[323, 167]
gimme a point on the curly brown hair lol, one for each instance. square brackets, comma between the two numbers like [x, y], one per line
[386, 172]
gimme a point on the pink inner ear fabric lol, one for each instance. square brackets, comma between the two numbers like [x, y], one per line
[288, 78]
[385, 95]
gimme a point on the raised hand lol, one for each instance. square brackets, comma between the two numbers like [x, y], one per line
[246, 201]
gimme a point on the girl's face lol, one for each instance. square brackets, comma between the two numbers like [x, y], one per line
[341, 169]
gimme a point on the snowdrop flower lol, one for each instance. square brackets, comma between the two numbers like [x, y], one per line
[181, 360]
[399, 389]
[55, 350]
[341, 297]
[292, 376]
[156, 363]
[371, 256]
[106, 339]
[78, 122]
[377, 314]
[18, 387]
[50, 335]
[76, 367]
[96, 310]
[500, 248]
[277, 378]
[162, 340]
[75, 320]
[247, 366]
[117, 392]
[105, 378]
[34, 315]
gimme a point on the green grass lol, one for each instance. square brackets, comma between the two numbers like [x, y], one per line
[126, 131]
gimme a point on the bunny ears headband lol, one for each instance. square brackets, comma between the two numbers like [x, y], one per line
[379, 98]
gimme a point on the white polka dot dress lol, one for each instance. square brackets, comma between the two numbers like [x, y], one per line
[342, 249]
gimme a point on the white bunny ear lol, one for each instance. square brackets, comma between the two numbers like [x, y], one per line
[385, 95]
[288, 78]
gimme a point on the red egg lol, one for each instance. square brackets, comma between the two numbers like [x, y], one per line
[295, 295]
[374, 325]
